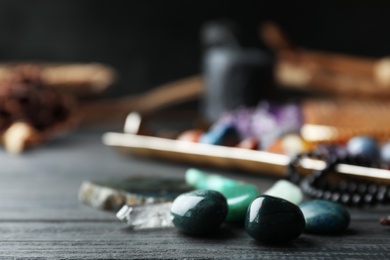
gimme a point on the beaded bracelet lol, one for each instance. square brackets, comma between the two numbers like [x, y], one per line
[348, 192]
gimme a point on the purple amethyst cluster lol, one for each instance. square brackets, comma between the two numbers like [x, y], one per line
[267, 121]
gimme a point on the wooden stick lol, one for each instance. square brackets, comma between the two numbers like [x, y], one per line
[116, 110]
[291, 74]
[332, 62]
[78, 79]
[365, 69]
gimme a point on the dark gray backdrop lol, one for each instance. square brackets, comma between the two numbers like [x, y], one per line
[152, 42]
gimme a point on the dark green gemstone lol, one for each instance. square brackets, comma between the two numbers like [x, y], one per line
[238, 194]
[273, 220]
[323, 216]
[199, 212]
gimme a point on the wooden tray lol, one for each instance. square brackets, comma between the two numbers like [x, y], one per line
[260, 162]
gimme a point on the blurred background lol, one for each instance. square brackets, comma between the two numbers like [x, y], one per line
[153, 42]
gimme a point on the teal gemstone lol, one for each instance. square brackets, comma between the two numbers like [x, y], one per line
[203, 180]
[238, 194]
[274, 220]
[199, 212]
[222, 134]
[323, 216]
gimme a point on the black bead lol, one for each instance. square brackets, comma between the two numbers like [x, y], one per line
[336, 197]
[382, 189]
[352, 187]
[294, 178]
[327, 195]
[319, 193]
[369, 199]
[347, 192]
[345, 198]
[342, 186]
[382, 198]
[362, 188]
[357, 199]
[372, 188]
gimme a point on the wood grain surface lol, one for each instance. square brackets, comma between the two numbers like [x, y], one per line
[41, 218]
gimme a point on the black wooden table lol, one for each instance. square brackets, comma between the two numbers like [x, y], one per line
[40, 216]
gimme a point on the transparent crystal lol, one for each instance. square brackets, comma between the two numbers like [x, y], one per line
[147, 216]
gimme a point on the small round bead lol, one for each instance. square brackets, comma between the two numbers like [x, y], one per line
[345, 198]
[319, 193]
[381, 197]
[333, 186]
[369, 199]
[357, 199]
[362, 188]
[294, 178]
[385, 152]
[363, 147]
[327, 195]
[336, 197]
[352, 187]
[372, 189]
[342, 186]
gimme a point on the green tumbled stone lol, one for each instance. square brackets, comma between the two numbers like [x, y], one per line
[203, 180]
[286, 190]
[238, 194]
[323, 216]
[274, 220]
[199, 212]
[238, 200]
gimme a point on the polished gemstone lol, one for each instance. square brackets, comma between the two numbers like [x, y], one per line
[199, 212]
[222, 134]
[238, 200]
[274, 220]
[203, 180]
[192, 135]
[250, 143]
[238, 194]
[324, 216]
[290, 145]
[385, 152]
[286, 190]
[363, 146]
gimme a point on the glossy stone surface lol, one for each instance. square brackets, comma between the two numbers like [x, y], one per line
[286, 190]
[324, 216]
[238, 200]
[199, 212]
[250, 143]
[203, 180]
[385, 152]
[222, 134]
[192, 135]
[363, 146]
[274, 220]
[238, 194]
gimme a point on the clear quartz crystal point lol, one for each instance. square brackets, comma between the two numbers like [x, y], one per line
[147, 216]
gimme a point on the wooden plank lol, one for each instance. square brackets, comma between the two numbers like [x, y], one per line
[40, 216]
[43, 183]
[111, 240]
